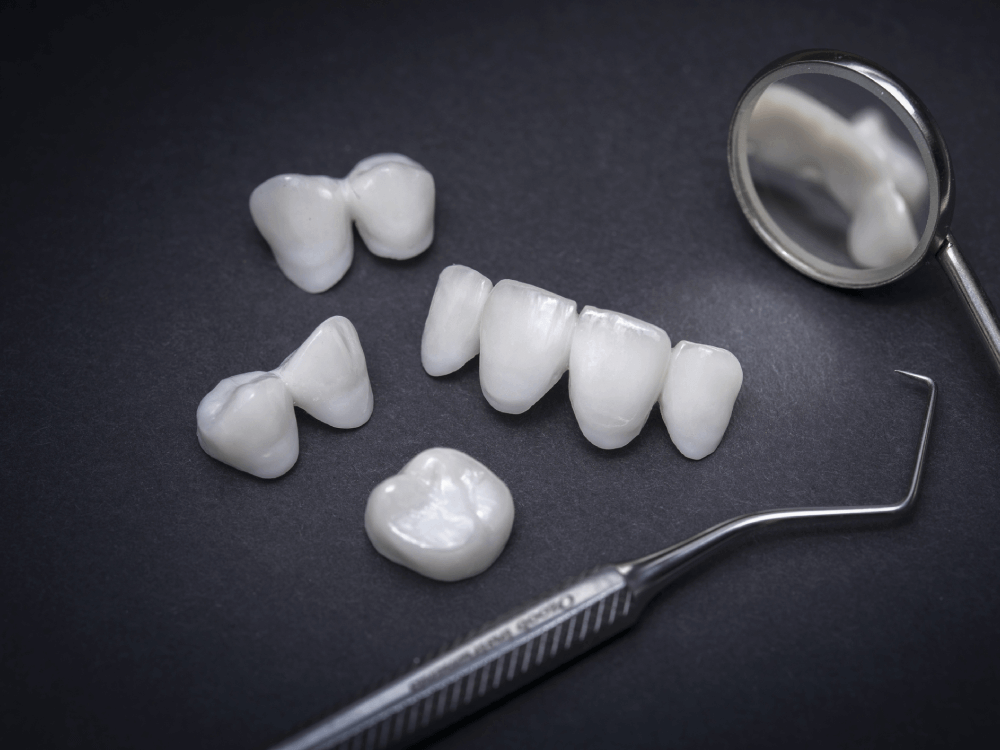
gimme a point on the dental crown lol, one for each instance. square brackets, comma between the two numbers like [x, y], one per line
[248, 421]
[307, 220]
[619, 366]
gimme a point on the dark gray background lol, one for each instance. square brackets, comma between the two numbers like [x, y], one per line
[153, 597]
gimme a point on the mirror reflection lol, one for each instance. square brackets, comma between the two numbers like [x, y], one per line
[837, 171]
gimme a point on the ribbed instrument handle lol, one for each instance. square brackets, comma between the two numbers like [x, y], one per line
[480, 668]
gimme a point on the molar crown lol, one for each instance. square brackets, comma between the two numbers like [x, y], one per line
[306, 220]
[248, 421]
[445, 515]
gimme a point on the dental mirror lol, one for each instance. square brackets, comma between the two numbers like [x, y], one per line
[843, 173]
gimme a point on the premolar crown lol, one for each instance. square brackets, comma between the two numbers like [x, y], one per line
[328, 376]
[445, 515]
[307, 219]
[248, 421]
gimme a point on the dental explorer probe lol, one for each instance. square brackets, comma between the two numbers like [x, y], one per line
[533, 640]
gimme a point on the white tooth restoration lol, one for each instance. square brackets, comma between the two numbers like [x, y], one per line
[392, 202]
[618, 365]
[616, 368]
[307, 219]
[248, 421]
[698, 396]
[524, 341]
[328, 377]
[445, 516]
[306, 222]
[866, 169]
[451, 332]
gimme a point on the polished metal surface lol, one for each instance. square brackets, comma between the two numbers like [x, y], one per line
[524, 645]
[977, 304]
[911, 112]
[936, 236]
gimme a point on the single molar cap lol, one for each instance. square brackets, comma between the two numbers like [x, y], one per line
[445, 515]
[306, 220]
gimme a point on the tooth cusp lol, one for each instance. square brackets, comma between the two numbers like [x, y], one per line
[451, 332]
[306, 220]
[445, 516]
[699, 392]
[525, 336]
[881, 232]
[617, 365]
[328, 377]
[248, 422]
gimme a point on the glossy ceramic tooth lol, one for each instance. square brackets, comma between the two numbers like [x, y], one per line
[794, 132]
[392, 202]
[305, 220]
[524, 342]
[327, 375]
[881, 232]
[616, 368]
[698, 395]
[445, 515]
[451, 332]
[902, 164]
[247, 421]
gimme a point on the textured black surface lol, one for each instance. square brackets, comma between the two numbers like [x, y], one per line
[153, 597]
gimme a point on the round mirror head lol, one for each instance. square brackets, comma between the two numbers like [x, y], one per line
[839, 169]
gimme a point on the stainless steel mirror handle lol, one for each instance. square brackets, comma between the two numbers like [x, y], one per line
[973, 297]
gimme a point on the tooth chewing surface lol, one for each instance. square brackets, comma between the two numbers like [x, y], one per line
[445, 515]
